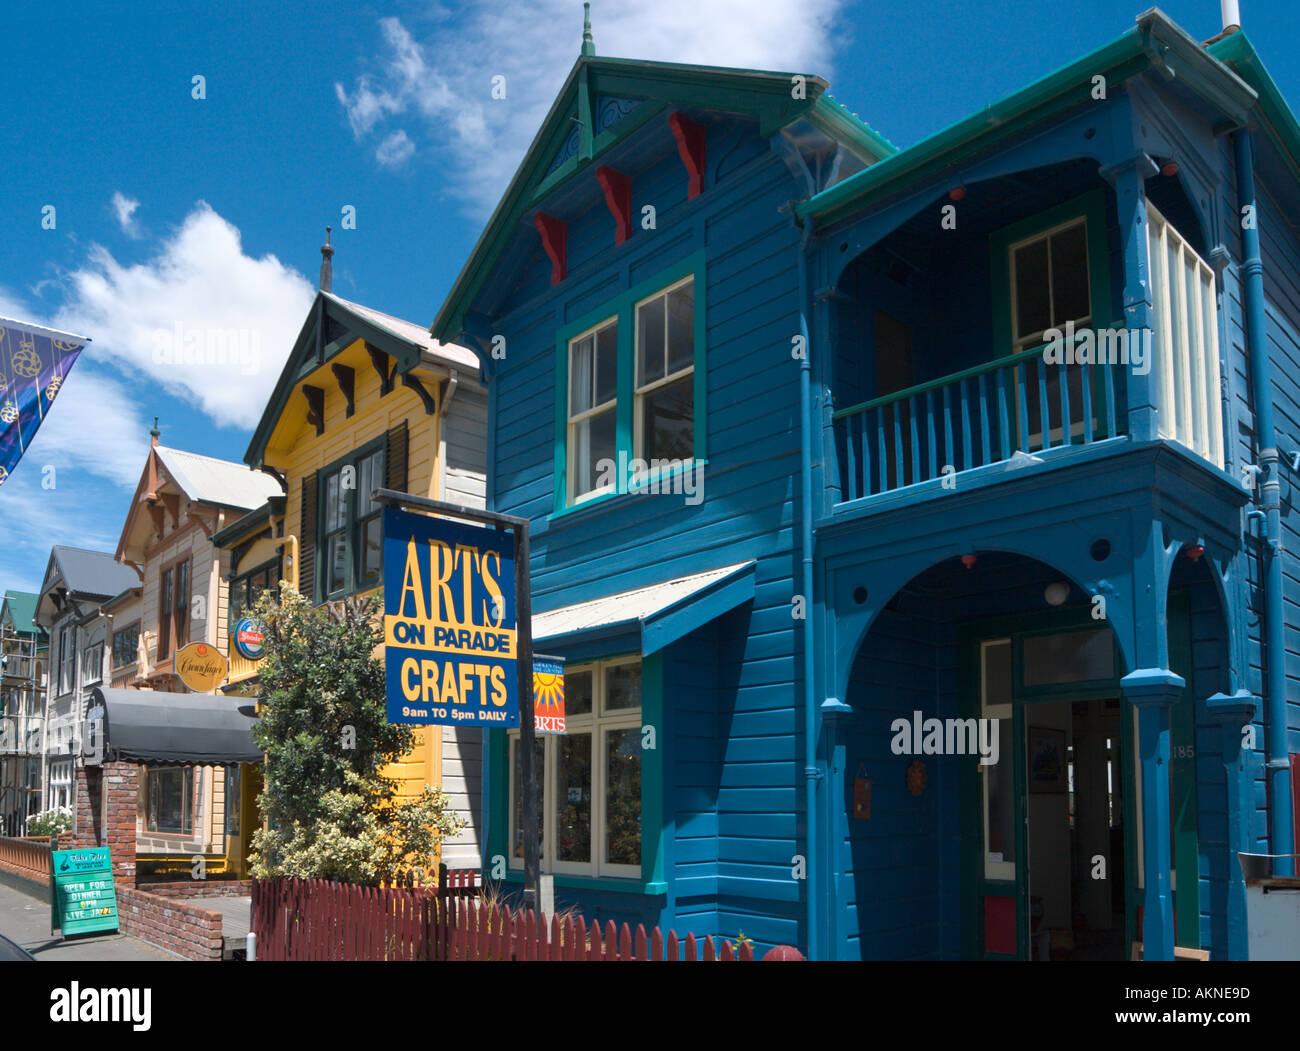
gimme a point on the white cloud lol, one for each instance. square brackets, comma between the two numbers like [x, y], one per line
[395, 149]
[446, 80]
[124, 208]
[201, 319]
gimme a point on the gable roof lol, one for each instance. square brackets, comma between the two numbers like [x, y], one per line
[18, 609]
[205, 479]
[332, 325]
[1154, 41]
[89, 574]
[560, 150]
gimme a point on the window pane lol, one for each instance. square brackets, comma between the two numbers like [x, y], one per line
[577, 693]
[1076, 656]
[623, 687]
[593, 441]
[581, 365]
[1070, 276]
[167, 590]
[1033, 310]
[681, 328]
[668, 420]
[650, 341]
[623, 797]
[606, 364]
[573, 799]
[333, 503]
[999, 802]
[371, 477]
[182, 586]
[517, 844]
[337, 554]
[373, 550]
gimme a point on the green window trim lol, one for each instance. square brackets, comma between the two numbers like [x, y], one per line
[237, 604]
[498, 777]
[1091, 207]
[351, 576]
[623, 308]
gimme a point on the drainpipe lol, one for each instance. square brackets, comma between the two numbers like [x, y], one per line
[1282, 830]
[812, 774]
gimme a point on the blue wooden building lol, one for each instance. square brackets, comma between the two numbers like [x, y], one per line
[915, 524]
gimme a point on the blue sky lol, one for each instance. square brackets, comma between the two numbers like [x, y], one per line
[177, 216]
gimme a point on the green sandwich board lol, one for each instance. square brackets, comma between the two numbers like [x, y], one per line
[83, 897]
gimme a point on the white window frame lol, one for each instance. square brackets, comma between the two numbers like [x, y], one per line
[575, 419]
[92, 664]
[67, 659]
[1035, 339]
[641, 390]
[598, 723]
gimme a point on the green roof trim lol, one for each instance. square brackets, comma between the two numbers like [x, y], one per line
[302, 360]
[1275, 116]
[1154, 39]
[246, 525]
[660, 85]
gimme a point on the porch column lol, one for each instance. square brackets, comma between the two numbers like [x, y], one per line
[835, 713]
[1128, 178]
[1233, 712]
[1153, 691]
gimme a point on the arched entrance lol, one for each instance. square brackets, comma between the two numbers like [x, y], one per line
[987, 764]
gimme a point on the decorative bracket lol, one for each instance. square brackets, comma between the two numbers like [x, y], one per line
[553, 233]
[347, 385]
[410, 381]
[618, 197]
[380, 361]
[315, 407]
[690, 145]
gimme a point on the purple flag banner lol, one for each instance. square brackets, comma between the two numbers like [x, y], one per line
[34, 363]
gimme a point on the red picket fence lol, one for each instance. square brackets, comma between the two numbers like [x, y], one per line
[320, 920]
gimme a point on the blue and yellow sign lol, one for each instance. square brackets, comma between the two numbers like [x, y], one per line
[548, 695]
[449, 622]
[83, 897]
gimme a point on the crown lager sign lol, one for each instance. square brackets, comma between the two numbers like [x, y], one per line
[449, 622]
[200, 666]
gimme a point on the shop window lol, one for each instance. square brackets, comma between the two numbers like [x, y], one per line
[245, 589]
[170, 796]
[589, 778]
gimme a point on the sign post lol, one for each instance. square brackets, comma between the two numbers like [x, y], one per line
[457, 656]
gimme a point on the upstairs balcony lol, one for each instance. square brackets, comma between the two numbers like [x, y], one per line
[958, 350]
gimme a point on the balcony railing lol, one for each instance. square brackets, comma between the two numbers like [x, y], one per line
[972, 419]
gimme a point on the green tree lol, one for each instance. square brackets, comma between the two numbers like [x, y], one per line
[330, 812]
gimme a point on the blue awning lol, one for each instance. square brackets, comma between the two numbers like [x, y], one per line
[647, 618]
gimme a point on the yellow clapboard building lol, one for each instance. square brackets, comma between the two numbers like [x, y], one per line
[365, 401]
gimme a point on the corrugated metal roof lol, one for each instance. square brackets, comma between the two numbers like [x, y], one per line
[92, 572]
[627, 607]
[20, 608]
[447, 353]
[218, 481]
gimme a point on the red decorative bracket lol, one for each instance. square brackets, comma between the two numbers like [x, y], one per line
[690, 144]
[618, 196]
[553, 232]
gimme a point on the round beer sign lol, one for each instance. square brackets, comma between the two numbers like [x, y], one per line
[200, 666]
[249, 639]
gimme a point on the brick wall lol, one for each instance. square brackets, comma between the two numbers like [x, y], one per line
[187, 930]
[199, 888]
[107, 801]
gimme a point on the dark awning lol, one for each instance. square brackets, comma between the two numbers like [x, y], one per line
[146, 726]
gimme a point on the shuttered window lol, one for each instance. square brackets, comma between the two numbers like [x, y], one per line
[307, 540]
